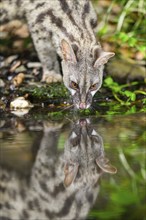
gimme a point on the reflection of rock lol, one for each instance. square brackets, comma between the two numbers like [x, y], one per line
[42, 194]
[20, 103]
[20, 112]
[125, 70]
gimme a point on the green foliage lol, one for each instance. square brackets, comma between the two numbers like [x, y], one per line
[52, 91]
[124, 100]
[119, 91]
[123, 23]
[125, 38]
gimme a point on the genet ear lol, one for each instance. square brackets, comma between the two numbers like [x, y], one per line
[68, 52]
[70, 174]
[103, 56]
[104, 165]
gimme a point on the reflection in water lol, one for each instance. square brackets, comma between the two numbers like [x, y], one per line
[60, 185]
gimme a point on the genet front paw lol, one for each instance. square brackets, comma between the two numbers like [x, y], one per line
[51, 77]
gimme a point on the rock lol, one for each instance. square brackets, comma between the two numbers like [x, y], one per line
[15, 66]
[20, 103]
[10, 59]
[125, 70]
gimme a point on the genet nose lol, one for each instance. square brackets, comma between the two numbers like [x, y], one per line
[82, 105]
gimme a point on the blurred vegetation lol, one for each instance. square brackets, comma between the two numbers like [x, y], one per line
[122, 29]
[122, 23]
[124, 195]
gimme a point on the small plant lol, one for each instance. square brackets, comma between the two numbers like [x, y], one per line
[123, 24]
[121, 92]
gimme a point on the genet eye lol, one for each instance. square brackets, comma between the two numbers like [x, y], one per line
[74, 85]
[93, 87]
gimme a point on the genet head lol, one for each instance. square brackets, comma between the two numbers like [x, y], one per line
[83, 71]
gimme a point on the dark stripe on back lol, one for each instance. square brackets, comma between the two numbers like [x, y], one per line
[68, 11]
[55, 20]
[18, 3]
[8, 205]
[86, 10]
[2, 189]
[4, 218]
[4, 12]
[44, 186]
[36, 204]
[30, 205]
[89, 197]
[65, 209]
[58, 189]
[49, 214]
[67, 206]
[25, 214]
[93, 23]
[39, 5]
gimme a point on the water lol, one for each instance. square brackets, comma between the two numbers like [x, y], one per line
[90, 168]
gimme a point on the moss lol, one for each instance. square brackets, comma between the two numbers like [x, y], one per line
[45, 92]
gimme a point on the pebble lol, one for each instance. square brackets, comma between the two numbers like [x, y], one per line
[17, 80]
[2, 84]
[20, 103]
[34, 65]
[10, 59]
[15, 66]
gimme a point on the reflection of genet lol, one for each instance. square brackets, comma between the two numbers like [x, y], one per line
[60, 186]
[83, 152]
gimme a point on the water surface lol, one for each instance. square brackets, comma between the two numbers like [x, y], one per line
[85, 168]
